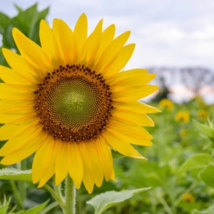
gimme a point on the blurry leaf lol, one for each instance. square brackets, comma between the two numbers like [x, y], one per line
[8, 41]
[18, 8]
[205, 130]
[2, 59]
[4, 206]
[15, 174]
[145, 173]
[210, 210]
[4, 21]
[116, 155]
[207, 175]
[196, 162]
[34, 210]
[27, 21]
[108, 199]
[34, 30]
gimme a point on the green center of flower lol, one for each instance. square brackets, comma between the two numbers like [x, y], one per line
[73, 102]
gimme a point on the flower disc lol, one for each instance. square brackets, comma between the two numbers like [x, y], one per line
[73, 103]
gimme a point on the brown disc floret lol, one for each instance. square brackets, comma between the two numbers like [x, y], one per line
[73, 103]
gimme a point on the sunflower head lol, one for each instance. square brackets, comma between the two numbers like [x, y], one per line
[188, 197]
[203, 114]
[166, 104]
[183, 132]
[69, 103]
[182, 116]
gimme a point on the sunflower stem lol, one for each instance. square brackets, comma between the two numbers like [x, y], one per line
[16, 194]
[54, 195]
[22, 184]
[70, 197]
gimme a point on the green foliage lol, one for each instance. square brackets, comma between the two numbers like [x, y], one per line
[207, 175]
[34, 210]
[27, 21]
[197, 161]
[210, 210]
[206, 130]
[15, 174]
[4, 206]
[108, 199]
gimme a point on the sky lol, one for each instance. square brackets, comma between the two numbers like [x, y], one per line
[166, 32]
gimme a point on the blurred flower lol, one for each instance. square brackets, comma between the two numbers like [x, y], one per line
[203, 114]
[68, 102]
[183, 133]
[166, 104]
[200, 100]
[188, 197]
[183, 116]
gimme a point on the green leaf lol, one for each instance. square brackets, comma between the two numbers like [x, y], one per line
[204, 129]
[34, 210]
[207, 175]
[197, 161]
[3, 209]
[108, 199]
[4, 21]
[15, 174]
[19, 9]
[4, 205]
[210, 210]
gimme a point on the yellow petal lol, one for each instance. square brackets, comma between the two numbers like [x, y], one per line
[98, 172]
[121, 146]
[42, 158]
[88, 176]
[80, 32]
[67, 42]
[120, 61]
[111, 52]
[107, 38]
[133, 131]
[92, 44]
[121, 84]
[105, 157]
[136, 107]
[11, 77]
[23, 152]
[135, 93]
[20, 141]
[61, 169]
[57, 33]
[48, 43]
[31, 51]
[126, 137]
[132, 118]
[8, 131]
[75, 164]
[21, 66]
[8, 118]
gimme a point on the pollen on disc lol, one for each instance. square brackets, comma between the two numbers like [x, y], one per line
[73, 102]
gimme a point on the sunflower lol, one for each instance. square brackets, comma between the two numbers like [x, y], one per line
[166, 104]
[68, 103]
[183, 116]
[183, 132]
[203, 114]
[188, 197]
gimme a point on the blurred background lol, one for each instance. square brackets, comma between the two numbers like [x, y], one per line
[175, 40]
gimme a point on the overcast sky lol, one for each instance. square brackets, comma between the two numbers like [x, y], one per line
[166, 32]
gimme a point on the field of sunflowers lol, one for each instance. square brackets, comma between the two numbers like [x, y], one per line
[177, 176]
